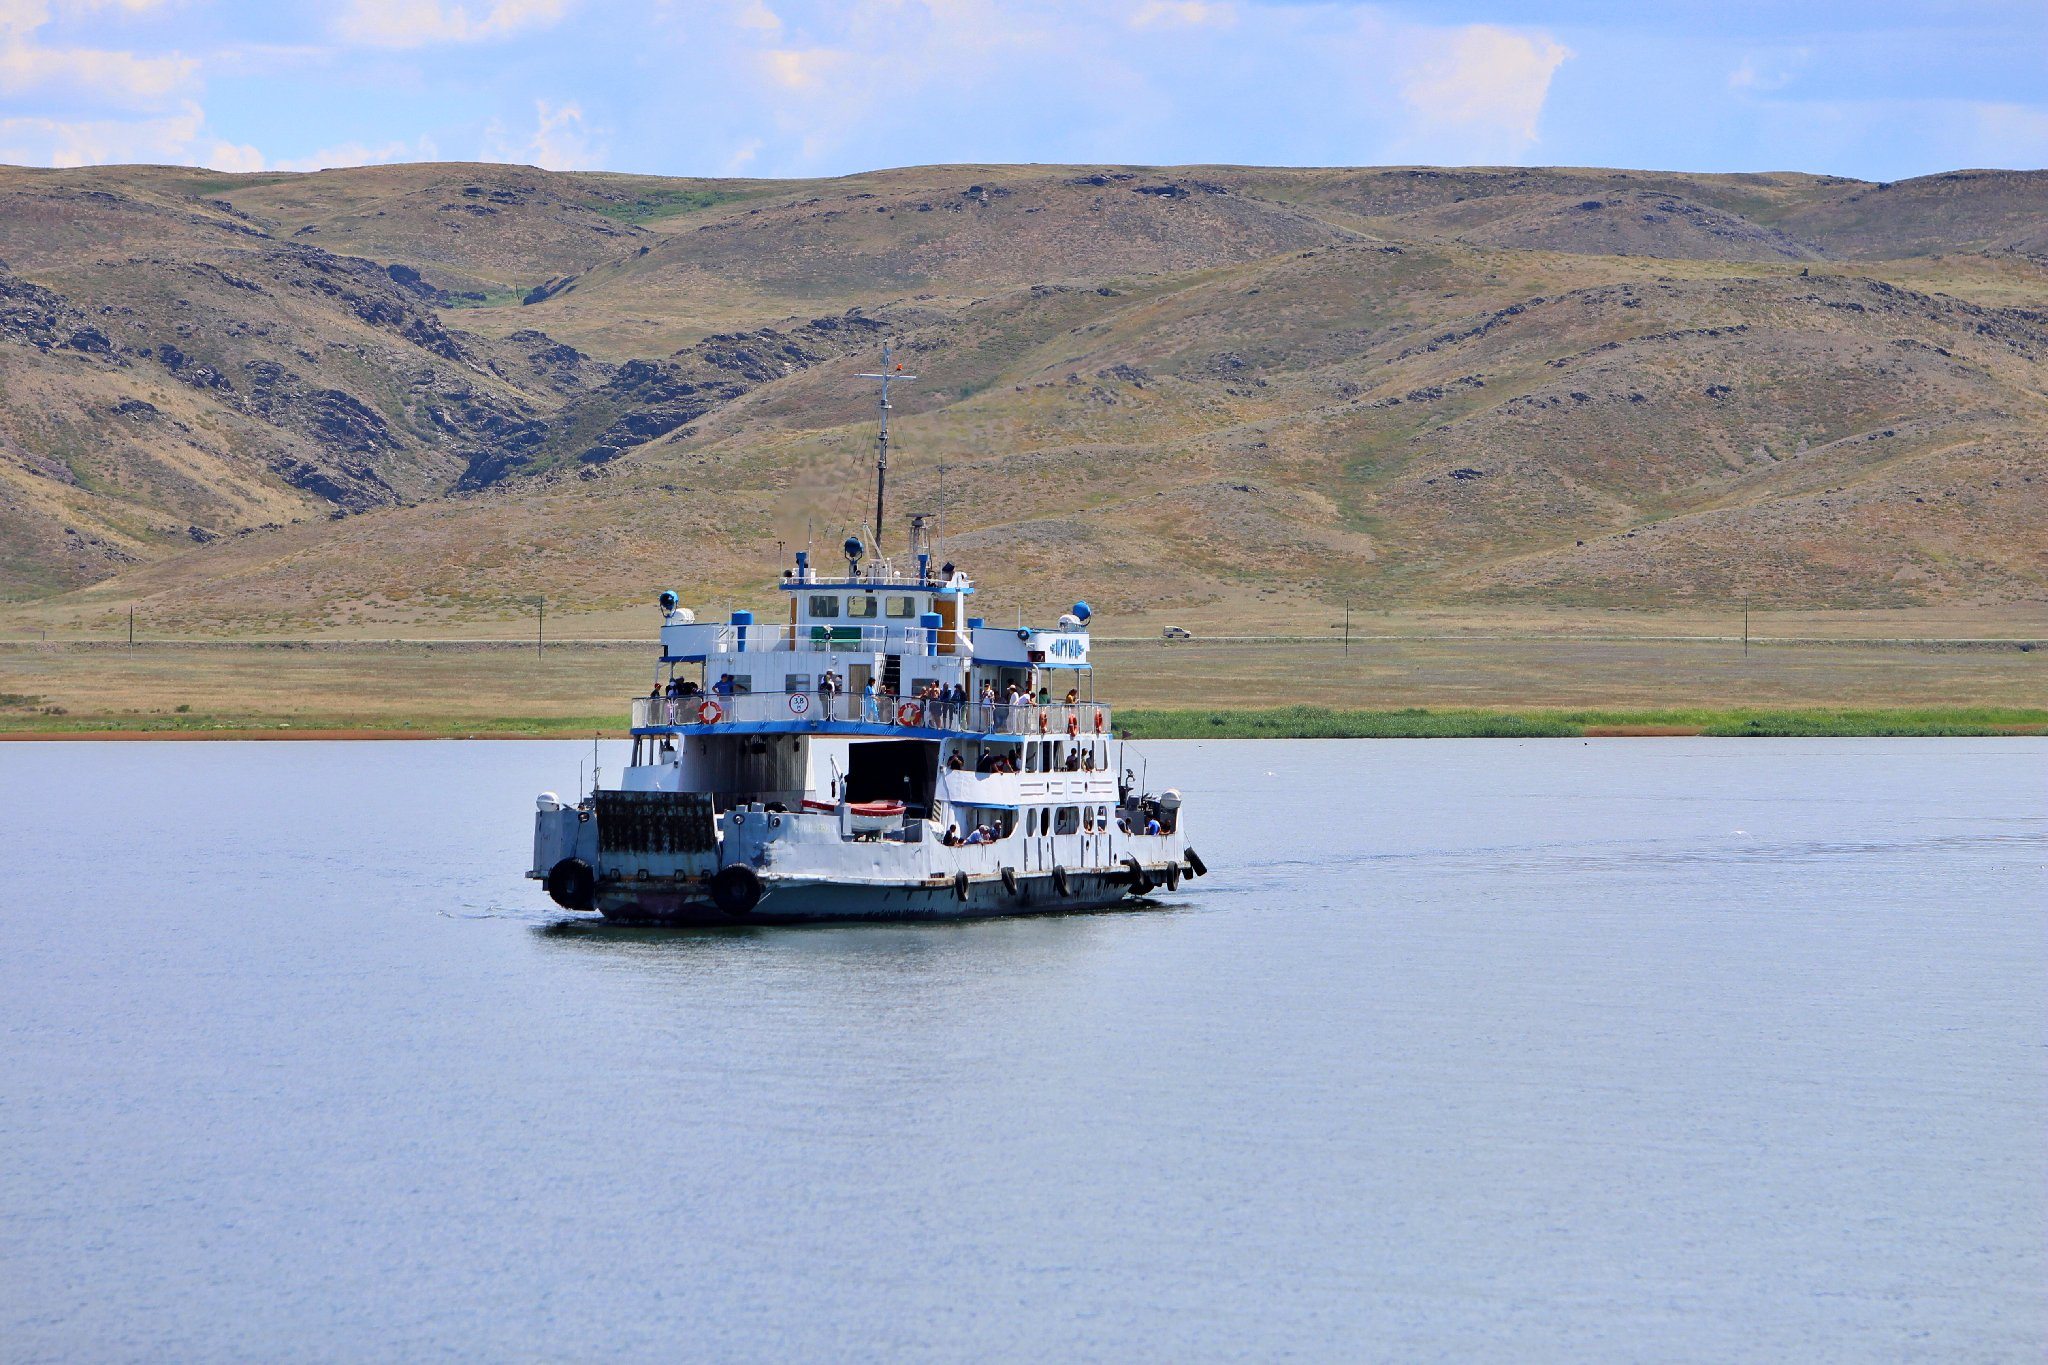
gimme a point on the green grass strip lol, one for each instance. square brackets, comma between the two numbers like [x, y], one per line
[1317, 722]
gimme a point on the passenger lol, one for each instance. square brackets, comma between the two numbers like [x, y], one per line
[951, 839]
[1044, 697]
[975, 835]
[690, 688]
[988, 707]
[953, 764]
[868, 710]
[724, 686]
[1073, 696]
[1152, 825]
[1073, 760]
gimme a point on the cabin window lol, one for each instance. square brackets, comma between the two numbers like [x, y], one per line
[862, 607]
[824, 607]
[902, 608]
[796, 682]
[1031, 758]
[1088, 819]
[1069, 820]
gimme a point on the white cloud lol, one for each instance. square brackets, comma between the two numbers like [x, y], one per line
[1763, 73]
[228, 156]
[1486, 81]
[805, 69]
[28, 66]
[235, 158]
[99, 142]
[758, 17]
[743, 156]
[416, 23]
[1183, 13]
[560, 140]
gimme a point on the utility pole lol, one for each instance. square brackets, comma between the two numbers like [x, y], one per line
[1745, 625]
[540, 627]
[1347, 630]
[131, 627]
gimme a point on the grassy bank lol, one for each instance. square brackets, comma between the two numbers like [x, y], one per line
[1316, 722]
[1294, 722]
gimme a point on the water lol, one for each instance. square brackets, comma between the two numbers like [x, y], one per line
[1637, 1049]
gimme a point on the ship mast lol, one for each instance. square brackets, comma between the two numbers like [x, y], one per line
[890, 373]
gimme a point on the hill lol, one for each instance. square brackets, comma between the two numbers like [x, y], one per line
[412, 397]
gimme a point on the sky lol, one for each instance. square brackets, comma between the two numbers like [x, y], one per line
[1877, 89]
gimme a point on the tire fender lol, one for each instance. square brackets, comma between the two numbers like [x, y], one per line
[572, 884]
[736, 889]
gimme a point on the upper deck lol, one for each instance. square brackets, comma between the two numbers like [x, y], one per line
[839, 713]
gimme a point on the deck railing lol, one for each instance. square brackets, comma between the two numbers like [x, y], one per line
[710, 711]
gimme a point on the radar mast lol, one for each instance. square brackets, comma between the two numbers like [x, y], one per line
[891, 373]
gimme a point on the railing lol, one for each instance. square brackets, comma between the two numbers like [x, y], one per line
[709, 711]
[714, 638]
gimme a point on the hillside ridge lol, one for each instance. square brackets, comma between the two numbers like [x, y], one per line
[425, 393]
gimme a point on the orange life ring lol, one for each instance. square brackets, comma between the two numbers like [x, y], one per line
[1073, 726]
[1041, 720]
[709, 713]
[1098, 720]
[909, 713]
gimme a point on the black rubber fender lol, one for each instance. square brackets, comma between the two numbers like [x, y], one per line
[1173, 875]
[736, 889]
[572, 884]
[1010, 880]
[1135, 872]
[1060, 883]
[960, 885]
[1196, 865]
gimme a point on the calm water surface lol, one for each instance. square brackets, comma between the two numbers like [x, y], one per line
[1626, 1050]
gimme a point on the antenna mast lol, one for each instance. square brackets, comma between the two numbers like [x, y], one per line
[890, 372]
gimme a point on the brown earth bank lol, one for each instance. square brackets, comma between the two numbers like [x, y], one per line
[410, 400]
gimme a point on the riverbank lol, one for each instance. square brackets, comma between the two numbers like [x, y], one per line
[1297, 722]
[1407, 687]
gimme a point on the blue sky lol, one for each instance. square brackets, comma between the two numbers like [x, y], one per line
[1880, 89]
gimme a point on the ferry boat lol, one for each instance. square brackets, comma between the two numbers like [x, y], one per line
[876, 752]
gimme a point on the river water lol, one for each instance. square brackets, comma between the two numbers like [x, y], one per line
[1622, 1050]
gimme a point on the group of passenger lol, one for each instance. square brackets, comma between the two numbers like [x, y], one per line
[947, 706]
[980, 834]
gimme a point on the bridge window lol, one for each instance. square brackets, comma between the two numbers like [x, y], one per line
[1068, 821]
[903, 608]
[824, 606]
[862, 607]
[796, 682]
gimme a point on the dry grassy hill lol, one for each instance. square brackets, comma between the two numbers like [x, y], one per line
[412, 397]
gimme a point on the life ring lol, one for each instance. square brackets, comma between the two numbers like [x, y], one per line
[1073, 726]
[709, 713]
[736, 889]
[909, 713]
[1041, 720]
[1098, 720]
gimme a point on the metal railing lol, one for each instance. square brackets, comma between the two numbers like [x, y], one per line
[709, 711]
[818, 638]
